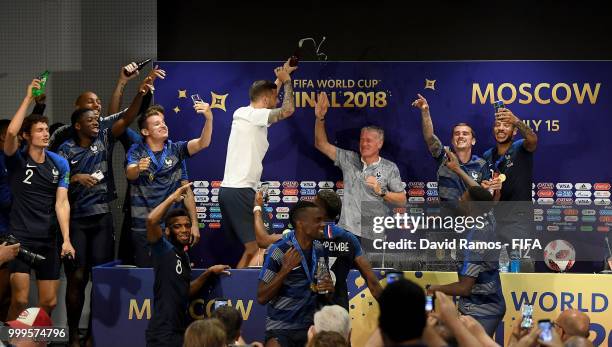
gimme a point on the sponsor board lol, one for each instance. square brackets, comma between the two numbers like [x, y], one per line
[201, 215]
[564, 186]
[201, 184]
[553, 218]
[268, 209]
[290, 184]
[603, 228]
[588, 212]
[569, 228]
[418, 185]
[433, 199]
[602, 202]
[278, 225]
[215, 209]
[214, 198]
[416, 192]
[290, 199]
[602, 194]
[308, 184]
[432, 192]
[538, 211]
[432, 185]
[201, 198]
[546, 201]
[416, 199]
[564, 193]
[215, 184]
[214, 225]
[200, 208]
[282, 216]
[214, 191]
[305, 191]
[554, 211]
[583, 201]
[583, 193]
[605, 212]
[416, 210]
[605, 219]
[282, 209]
[274, 199]
[326, 184]
[274, 191]
[340, 191]
[589, 219]
[546, 193]
[538, 218]
[564, 201]
[570, 212]
[583, 186]
[200, 191]
[552, 228]
[570, 218]
[290, 191]
[307, 198]
[544, 186]
[602, 186]
[274, 184]
[586, 228]
[215, 215]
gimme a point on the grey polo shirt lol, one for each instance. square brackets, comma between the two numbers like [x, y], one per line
[358, 194]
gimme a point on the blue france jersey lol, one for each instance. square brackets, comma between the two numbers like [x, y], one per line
[34, 188]
[97, 157]
[146, 194]
[450, 185]
[295, 303]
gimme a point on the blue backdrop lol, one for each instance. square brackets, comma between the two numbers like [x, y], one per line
[567, 103]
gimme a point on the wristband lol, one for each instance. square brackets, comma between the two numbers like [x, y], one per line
[257, 208]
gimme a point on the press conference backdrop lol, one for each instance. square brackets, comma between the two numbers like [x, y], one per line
[567, 103]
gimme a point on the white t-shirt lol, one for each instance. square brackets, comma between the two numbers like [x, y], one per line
[246, 148]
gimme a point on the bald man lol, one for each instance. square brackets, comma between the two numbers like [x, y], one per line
[572, 323]
[578, 341]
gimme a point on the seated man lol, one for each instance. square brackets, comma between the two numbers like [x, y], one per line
[572, 322]
[331, 318]
[173, 284]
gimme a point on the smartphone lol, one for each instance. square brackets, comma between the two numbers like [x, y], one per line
[393, 276]
[546, 330]
[527, 322]
[497, 105]
[220, 302]
[196, 98]
[429, 303]
[98, 175]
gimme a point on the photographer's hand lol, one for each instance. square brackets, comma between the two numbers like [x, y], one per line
[8, 252]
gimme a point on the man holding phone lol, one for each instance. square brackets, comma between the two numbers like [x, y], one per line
[173, 285]
[155, 168]
[513, 160]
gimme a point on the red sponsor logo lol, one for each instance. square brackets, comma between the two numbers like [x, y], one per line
[290, 184]
[602, 186]
[399, 210]
[340, 184]
[214, 225]
[545, 193]
[603, 229]
[545, 186]
[570, 212]
[416, 192]
[215, 184]
[605, 219]
[290, 191]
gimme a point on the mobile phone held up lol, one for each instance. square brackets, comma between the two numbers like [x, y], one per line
[497, 105]
[429, 303]
[527, 322]
[393, 276]
[546, 330]
[219, 303]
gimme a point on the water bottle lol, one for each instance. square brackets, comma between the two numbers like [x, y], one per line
[43, 82]
[504, 260]
[515, 261]
[322, 272]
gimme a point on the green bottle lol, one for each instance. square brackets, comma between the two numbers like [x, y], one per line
[43, 83]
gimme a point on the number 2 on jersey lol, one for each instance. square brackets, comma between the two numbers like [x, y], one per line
[29, 173]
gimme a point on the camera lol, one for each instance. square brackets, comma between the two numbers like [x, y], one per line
[24, 254]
